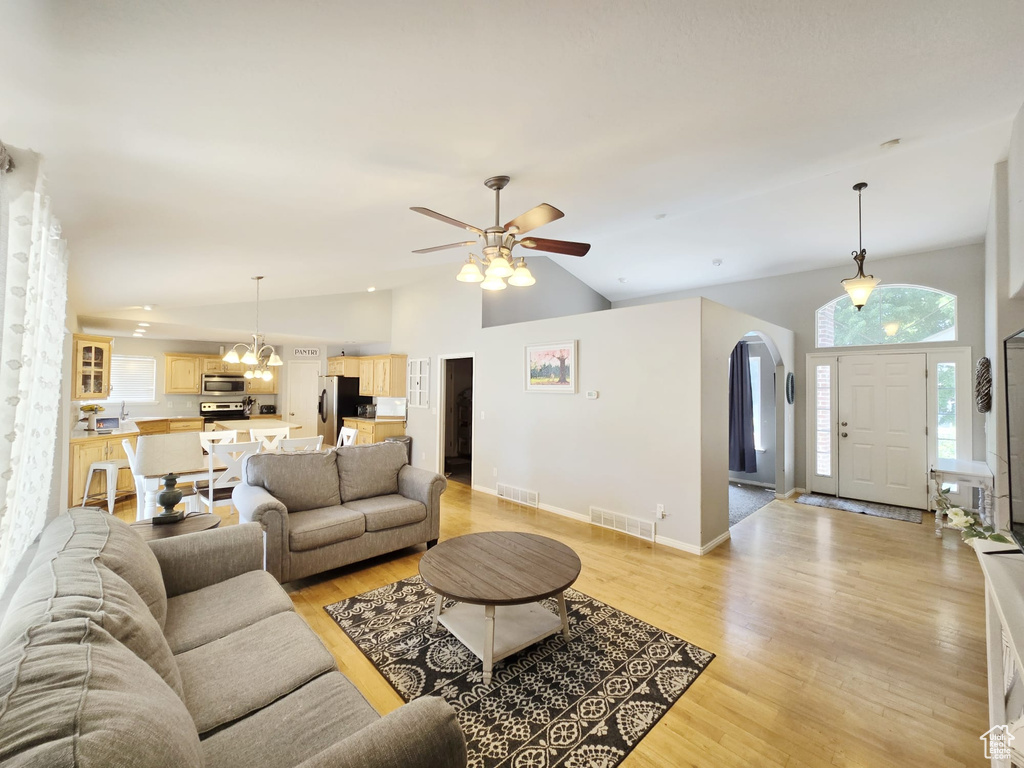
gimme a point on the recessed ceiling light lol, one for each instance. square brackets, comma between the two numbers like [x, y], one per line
[140, 330]
[660, 216]
[890, 143]
[717, 262]
[138, 335]
[147, 307]
[144, 325]
[371, 289]
[623, 280]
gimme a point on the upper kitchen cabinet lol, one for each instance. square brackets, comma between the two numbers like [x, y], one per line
[261, 387]
[382, 375]
[343, 366]
[91, 367]
[215, 364]
[182, 374]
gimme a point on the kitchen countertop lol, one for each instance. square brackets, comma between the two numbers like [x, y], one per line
[79, 433]
[244, 424]
[378, 420]
[166, 418]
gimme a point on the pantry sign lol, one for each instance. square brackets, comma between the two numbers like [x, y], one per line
[306, 352]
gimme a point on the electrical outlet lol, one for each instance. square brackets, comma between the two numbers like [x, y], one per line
[481, 415]
[495, 471]
[170, 403]
[423, 455]
[660, 509]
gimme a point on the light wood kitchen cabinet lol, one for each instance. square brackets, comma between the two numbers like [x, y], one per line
[369, 431]
[261, 387]
[91, 449]
[182, 374]
[366, 376]
[216, 364]
[160, 426]
[343, 366]
[91, 367]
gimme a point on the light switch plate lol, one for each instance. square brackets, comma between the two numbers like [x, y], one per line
[592, 394]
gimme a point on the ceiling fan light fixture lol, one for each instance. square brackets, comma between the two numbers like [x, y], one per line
[522, 277]
[493, 283]
[499, 267]
[470, 272]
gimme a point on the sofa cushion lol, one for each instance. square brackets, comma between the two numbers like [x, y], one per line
[228, 678]
[391, 511]
[324, 710]
[317, 528]
[370, 470]
[75, 585]
[300, 481]
[91, 530]
[196, 618]
[71, 696]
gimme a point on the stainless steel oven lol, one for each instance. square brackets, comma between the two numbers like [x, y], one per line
[223, 384]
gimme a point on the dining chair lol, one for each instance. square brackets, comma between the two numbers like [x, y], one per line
[140, 489]
[301, 444]
[156, 455]
[269, 439]
[206, 439]
[225, 465]
[347, 436]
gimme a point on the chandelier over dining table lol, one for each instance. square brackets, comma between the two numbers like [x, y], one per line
[259, 355]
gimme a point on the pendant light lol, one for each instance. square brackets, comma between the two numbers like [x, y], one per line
[860, 285]
[259, 354]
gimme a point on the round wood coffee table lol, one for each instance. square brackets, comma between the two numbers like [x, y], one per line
[506, 570]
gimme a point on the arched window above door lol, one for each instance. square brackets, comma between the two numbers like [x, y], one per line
[895, 314]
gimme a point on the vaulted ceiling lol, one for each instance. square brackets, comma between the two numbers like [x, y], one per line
[204, 142]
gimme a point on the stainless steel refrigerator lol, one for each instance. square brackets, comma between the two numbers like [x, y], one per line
[339, 398]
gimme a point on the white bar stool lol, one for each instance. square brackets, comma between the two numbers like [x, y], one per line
[111, 467]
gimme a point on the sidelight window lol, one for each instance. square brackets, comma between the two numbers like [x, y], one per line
[945, 410]
[823, 420]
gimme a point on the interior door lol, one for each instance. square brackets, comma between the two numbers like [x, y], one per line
[883, 443]
[303, 396]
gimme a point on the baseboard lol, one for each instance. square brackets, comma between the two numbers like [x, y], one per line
[790, 494]
[546, 507]
[690, 548]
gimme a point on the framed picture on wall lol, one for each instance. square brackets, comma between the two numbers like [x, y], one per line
[552, 367]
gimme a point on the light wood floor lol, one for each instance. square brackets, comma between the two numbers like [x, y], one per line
[841, 639]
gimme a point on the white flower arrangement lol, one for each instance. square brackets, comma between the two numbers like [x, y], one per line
[969, 526]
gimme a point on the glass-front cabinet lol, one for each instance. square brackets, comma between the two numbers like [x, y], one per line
[91, 368]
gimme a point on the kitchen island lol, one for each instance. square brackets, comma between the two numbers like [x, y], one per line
[244, 425]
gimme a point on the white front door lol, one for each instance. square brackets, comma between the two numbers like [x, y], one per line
[883, 444]
[303, 396]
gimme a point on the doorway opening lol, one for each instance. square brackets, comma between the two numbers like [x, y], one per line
[457, 421]
[753, 411]
[303, 396]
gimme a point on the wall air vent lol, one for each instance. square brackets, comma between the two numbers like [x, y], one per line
[634, 526]
[518, 495]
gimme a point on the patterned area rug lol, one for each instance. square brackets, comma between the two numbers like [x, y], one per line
[906, 514]
[585, 704]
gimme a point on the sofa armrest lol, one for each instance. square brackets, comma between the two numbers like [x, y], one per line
[257, 505]
[424, 733]
[422, 485]
[198, 560]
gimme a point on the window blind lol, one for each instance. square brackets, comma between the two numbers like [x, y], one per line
[132, 378]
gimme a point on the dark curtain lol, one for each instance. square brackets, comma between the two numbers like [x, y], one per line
[742, 457]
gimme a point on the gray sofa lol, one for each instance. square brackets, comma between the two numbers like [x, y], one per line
[322, 510]
[183, 653]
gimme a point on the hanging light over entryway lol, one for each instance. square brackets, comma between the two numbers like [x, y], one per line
[860, 285]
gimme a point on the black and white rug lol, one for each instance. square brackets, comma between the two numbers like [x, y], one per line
[582, 704]
[906, 514]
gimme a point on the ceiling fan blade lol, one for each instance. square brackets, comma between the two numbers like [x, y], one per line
[566, 247]
[446, 247]
[535, 217]
[447, 219]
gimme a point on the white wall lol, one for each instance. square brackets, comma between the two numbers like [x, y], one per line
[557, 293]
[1015, 206]
[790, 301]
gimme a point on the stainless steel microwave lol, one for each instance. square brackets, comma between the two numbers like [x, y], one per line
[223, 383]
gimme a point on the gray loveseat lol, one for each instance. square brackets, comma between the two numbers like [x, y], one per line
[322, 510]
[183, 653]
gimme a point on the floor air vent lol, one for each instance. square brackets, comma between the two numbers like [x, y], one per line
[634, 526]
[518, 495]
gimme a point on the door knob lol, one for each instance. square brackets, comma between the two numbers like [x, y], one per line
[843, 434]
[843, 423]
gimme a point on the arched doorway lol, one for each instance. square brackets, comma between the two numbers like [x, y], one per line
[754, 377]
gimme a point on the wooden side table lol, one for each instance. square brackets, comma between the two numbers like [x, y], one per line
[191, 524]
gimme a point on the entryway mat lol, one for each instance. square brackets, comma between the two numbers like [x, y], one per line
[906, 514]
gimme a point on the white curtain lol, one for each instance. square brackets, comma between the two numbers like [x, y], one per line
[33, 296]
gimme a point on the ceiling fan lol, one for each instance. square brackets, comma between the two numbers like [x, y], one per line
[498, 242]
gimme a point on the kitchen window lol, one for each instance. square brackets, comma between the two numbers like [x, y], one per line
[133, 378]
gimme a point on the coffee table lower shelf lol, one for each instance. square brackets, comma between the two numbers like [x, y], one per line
[512, 628]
